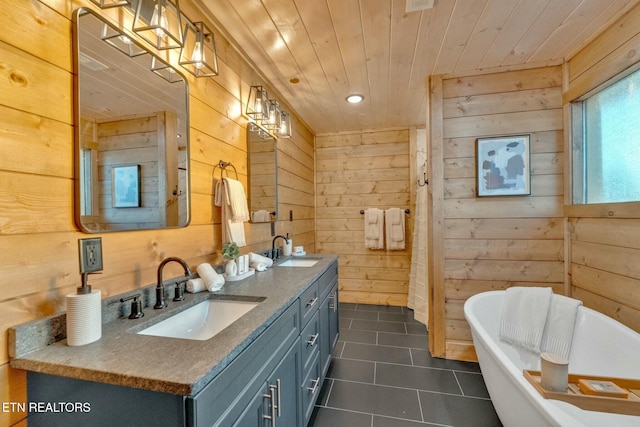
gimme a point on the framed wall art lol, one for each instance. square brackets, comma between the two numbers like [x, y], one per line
[126, 186]
[503, 166]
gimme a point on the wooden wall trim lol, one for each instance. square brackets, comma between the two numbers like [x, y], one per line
[437, 328]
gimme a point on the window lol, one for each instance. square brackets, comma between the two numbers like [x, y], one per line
[606, 166]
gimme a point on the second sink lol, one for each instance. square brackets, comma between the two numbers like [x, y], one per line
[299, 262]
[202, 321]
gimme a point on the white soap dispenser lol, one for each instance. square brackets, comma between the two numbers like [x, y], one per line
[288, 246]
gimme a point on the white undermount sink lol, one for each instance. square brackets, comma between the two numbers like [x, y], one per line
[299, 262]
[202, 321]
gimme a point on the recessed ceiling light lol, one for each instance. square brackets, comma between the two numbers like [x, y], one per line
[354, 99]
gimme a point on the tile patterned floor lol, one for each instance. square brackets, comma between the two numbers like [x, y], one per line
[382, 375]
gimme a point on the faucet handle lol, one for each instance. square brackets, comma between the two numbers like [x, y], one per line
[136, 306]
[179, 291]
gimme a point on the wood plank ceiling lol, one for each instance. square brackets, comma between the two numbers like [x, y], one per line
[377, 49]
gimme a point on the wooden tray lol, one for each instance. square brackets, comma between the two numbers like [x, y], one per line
[629, 405]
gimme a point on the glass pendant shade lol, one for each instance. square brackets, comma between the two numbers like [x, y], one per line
[198, 54]
[107, 4]
[257, 104]
[165, 70]
[272, 122]
[284, 131]
[121, 42]
[159, 22]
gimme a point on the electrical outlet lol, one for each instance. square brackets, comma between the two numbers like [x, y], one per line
[90, 254]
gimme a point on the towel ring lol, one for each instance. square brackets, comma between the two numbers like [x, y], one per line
[223, 168]
[407, 211]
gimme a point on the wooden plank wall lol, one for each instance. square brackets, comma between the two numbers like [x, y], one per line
[605, 238]
[38, 237]
[488, 243]
[356, 171]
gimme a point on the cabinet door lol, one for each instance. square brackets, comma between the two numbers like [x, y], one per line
[277, 404]
[285, 379]
[328, 327]
[334, 317]
[258, 410]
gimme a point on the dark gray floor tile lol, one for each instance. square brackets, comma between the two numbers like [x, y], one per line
[337, 352]
[347, 306]
[382, 308]
[416, 329]
[440, 380]
[373, 399]
[458, 410]
[345, 323]
[364, 337]
[402, 340]
[370, 325]
[352, 370]
[423, 358]
[398, 317]
[324, 393]
[376, 353]
[355, 314]
[379, 421]
[472, 384]
[328, 417]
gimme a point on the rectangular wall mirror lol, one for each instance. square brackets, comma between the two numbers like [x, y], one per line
[131, 132]
[263, 175]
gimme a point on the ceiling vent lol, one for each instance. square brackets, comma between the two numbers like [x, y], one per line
[91, 63]
[417, 5]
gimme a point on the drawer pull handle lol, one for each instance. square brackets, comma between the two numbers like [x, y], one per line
[312, 302]
[272, 397]
[279, 405]
[333, 306]
[315, 383]
[312, 341]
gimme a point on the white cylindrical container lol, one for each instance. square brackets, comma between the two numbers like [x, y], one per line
[287, 248]
[84, 318]
[554, 372]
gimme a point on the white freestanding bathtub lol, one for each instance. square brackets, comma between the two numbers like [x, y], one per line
[601, 346]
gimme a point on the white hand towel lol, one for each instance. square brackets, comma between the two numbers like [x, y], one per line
[212, 280]
[561, 320]
[373, 228]
[195, 285]
[261, 216]
[524, 315]
[233, 231]
[395, 229]
[254, 257]
[258, 265]
[237, 199]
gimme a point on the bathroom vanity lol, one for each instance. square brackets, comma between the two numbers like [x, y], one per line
[265, 369]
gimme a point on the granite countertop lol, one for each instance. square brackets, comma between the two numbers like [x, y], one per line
[171, 365]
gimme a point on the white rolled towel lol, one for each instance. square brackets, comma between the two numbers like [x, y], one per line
[212, 280]
[195, 285]
[258, 265]
[253, 257]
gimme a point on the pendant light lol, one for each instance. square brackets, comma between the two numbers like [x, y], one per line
[108, 4]
[258, 103]
[121, 41]
[198, 53]
[159, 22]
[165, 70]
[284, 131]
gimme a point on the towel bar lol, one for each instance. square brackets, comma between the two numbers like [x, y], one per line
[407, 211]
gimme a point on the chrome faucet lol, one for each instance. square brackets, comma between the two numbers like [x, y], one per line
[275, 254]
[160, 302]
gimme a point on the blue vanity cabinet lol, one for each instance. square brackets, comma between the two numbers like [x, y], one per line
[277, 402]
[328, 326]
[225, 399]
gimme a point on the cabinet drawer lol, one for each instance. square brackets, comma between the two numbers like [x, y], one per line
[224, 398]
[311, 388]
[310, 341]
[309, 302]
[328, 278]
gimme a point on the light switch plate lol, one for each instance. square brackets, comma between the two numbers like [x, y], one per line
[90, 254]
